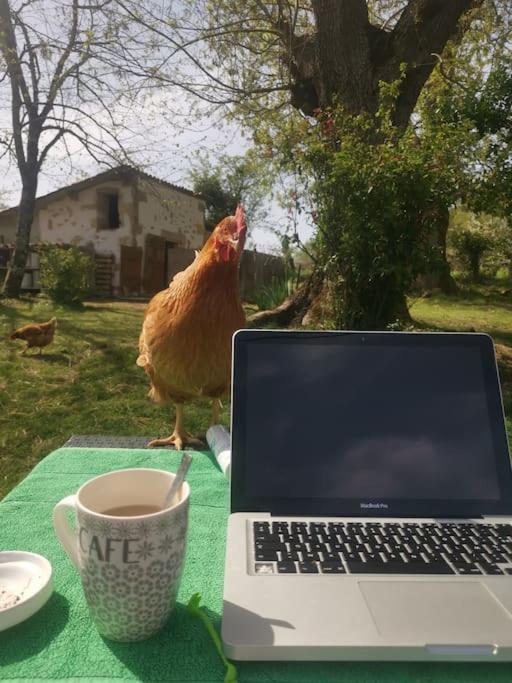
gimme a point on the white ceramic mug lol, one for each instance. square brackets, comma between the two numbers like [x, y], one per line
[130, 566]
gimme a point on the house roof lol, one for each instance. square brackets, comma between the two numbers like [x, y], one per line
[117, 172]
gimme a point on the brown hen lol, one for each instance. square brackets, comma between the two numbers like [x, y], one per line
[185, 343]
[36, 334]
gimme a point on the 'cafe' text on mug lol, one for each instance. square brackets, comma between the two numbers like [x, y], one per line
[116, 549]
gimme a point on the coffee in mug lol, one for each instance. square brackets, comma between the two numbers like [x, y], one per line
[132, 510]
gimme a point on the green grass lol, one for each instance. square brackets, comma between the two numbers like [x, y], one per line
[86, 382]
[271, 296]
[484, 308]
[475, 308]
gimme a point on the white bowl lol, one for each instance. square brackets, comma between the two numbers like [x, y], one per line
[25, 585]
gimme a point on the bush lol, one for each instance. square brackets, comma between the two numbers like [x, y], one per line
[375, 192]
[471, 246]
[270, 296]
[66, 274]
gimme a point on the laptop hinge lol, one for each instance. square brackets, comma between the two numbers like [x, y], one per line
[309, 514]
[454, 516]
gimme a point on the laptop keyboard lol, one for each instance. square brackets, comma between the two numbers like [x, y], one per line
[381, 548]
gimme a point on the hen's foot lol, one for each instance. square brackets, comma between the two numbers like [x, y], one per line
[178, 440]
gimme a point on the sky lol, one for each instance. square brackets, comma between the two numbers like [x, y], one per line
[159, 126]
[165, 151]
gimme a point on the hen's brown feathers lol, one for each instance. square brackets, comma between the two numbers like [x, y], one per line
[36, 334]
[185, 343]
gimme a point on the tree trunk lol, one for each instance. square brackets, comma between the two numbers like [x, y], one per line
[343, 62]
[372, 306]
[13, 280]
[474, 265]
[343, 55]
[438, 275]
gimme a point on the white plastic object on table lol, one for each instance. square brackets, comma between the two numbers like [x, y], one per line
[219, 441]
[25, 586]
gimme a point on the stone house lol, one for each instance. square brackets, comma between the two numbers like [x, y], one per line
[139, 229]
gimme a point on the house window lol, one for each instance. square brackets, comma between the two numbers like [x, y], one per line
[108, 211]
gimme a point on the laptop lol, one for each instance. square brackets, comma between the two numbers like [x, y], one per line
[371, 499]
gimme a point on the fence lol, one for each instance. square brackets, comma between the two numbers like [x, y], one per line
[257, 270]
[30, 280]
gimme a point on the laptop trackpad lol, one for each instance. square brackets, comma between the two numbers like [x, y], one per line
[436, 611]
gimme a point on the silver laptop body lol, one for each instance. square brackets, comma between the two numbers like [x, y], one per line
[371, 499]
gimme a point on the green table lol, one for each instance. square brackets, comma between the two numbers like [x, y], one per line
[60, 642]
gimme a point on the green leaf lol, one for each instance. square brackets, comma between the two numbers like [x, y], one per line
[194, 609]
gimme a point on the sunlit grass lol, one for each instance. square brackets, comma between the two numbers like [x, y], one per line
[86, 382]
[475, 308]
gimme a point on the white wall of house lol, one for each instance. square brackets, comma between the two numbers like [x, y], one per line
[73, 219]
[8, 228]
[177, 216]
[144, 207]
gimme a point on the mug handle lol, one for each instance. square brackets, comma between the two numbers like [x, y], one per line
[65, 532]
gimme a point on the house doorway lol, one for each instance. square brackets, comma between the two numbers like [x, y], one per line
[131, 270]
[154, 279]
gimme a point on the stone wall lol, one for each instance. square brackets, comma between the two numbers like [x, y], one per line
[145, 207]
[174, 215]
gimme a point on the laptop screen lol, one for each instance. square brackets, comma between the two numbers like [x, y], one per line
[373, 423]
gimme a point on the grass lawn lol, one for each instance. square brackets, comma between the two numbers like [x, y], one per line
[87, 382]
[484, 308]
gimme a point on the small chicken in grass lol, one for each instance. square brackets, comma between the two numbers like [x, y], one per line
[36, 334]
[185, 343]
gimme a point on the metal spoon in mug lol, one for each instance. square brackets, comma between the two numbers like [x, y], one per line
[178, 480]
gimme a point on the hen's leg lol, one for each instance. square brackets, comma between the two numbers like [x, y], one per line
[179, 436]
[216, 408]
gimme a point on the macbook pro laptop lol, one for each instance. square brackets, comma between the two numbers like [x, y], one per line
[371, 499]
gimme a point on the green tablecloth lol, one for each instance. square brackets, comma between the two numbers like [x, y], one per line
[61, 643]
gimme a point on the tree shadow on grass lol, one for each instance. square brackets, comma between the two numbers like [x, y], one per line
[498, 335]
[470, 297]
[49, 357]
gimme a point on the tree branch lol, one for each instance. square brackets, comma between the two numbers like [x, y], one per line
[32, 64]
[9, 51]
[59, 75]
[52, 143]
[423, 29]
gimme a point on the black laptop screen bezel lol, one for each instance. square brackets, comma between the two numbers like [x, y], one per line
[241, 502]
